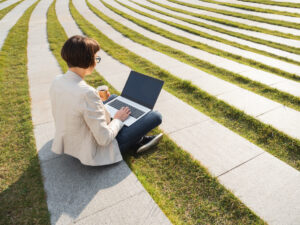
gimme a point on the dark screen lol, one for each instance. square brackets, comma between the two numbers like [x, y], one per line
[142, 89]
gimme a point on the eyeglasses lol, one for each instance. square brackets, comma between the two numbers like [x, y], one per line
[98, 59]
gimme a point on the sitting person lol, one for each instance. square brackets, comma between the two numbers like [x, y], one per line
[84, 128]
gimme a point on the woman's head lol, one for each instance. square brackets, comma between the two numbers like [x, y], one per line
[80, 51]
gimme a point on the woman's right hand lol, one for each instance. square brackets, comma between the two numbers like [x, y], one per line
[122, 114]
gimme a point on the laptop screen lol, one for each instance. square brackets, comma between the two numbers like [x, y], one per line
[142, 89]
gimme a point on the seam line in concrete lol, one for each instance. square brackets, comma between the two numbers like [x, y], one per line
[240, 164]
[75, 221]
[277, 107]
[195, 124]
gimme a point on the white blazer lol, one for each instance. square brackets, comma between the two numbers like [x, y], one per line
[83, 126]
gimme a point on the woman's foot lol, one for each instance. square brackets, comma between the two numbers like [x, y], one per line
[147, 142]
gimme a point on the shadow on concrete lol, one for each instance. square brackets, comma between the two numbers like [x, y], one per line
[76, 191]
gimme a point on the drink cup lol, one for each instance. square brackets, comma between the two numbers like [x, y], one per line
[103, 92]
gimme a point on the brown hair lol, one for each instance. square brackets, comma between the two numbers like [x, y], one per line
[79, 51]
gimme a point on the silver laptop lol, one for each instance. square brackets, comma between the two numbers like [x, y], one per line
[139, 94]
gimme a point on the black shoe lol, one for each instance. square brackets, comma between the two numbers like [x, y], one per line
[147, 142]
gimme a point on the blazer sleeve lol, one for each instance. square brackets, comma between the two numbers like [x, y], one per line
[94, 116]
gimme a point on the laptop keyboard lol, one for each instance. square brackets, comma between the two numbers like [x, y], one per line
[135, 113]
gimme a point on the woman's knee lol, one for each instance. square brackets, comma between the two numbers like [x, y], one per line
[157, 117]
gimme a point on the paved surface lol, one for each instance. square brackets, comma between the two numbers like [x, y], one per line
[78, 194]
[267, 78]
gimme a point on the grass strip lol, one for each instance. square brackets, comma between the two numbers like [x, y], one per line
[268, 2]
[253, 9]
[190, 195]
[249, 17]
[218, 29]
[22, 195]
[277, 143]
[259, 88]
[204, 47]
[4, 11]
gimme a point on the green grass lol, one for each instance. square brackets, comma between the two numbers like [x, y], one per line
[268, 2]
[254, 9]
[250, 17]
[202, 46]
[4, 11]
[218, 29]
[189, 195]
[268, 138]
[243, 82]
[22, 194]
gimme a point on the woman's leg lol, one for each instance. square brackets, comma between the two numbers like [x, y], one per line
[129, 136]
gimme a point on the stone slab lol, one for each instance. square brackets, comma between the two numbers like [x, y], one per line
[44, 134]
[287, 87]
[123, 213]
[248, 102]
[273, 194]
[41, 112]
[216, 147]
[283, 118]
[39, 92]
[265, 77]
[178, 115]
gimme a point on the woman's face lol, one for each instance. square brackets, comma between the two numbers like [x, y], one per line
[97, 60]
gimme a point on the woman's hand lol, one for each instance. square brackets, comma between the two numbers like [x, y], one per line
[122, 114]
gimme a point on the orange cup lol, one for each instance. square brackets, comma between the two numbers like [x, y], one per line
[103, 92]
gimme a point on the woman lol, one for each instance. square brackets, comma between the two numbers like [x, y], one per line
[84, 128]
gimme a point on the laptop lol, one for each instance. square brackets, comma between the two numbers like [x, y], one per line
[139, 94]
